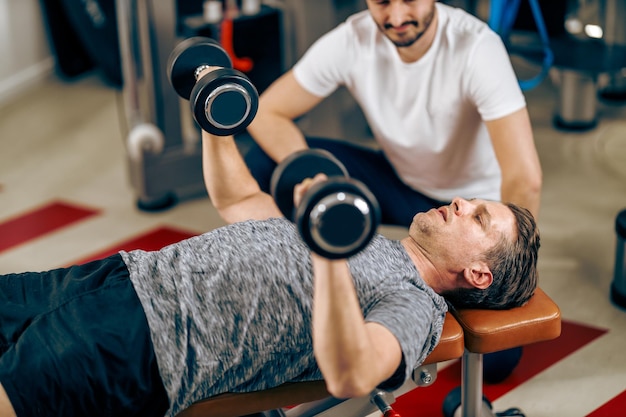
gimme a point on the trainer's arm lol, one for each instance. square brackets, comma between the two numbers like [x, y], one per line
[354, 356]
[273, 128]
[232, 189]
[514, 145]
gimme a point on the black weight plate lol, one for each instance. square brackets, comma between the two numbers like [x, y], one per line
[190, 54]
[452, 403]
[342, 229]
[229, 98]
[295, 168]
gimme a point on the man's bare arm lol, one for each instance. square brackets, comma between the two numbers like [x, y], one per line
[353, 355]
[514, 145]
[232, 189]
[273, 128]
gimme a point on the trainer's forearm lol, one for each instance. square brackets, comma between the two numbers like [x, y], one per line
[524, 194]
[278, 136]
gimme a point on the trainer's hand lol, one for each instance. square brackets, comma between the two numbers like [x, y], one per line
[300, 189]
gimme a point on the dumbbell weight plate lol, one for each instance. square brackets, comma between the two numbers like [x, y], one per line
[295, 168]
[452, 405]
[338, 218]
[190, 54]
[224, 101]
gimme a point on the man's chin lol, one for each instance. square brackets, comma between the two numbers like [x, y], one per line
[419, 225]
[401, 42]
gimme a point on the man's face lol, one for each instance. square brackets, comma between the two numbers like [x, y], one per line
[402, 21]
[462, 231]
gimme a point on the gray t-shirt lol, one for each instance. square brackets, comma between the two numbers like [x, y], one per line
[230, 310]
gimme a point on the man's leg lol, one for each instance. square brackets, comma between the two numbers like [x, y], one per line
[398, 202]
[87, 341]
[6, 409]
[260, 165]
[24, 296]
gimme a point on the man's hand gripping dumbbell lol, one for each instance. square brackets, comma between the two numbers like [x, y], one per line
[337, 216]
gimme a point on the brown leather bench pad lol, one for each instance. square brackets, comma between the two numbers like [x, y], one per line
[489, 331]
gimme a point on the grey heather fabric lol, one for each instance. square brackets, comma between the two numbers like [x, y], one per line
[230, 310]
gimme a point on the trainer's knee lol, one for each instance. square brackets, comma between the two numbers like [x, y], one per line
[6, 409]
[260, 165]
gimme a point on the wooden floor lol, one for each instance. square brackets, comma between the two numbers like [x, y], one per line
[65, 196]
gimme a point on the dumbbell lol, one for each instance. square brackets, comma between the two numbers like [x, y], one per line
[223, 101]
[336, 218]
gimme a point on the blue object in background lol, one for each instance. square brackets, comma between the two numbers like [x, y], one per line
[502, 16]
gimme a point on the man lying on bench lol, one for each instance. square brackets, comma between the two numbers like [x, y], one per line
[247, 307]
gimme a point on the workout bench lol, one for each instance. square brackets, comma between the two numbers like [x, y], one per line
[488, 331]
[467, 334]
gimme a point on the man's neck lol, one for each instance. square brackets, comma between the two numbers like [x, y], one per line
[418, 49]
[432, 276]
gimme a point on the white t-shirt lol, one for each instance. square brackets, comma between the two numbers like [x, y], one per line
[427, 115]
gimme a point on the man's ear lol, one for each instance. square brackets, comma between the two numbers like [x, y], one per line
[478, 276]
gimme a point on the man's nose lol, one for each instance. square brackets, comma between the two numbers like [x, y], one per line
[397, 13]
[459, 205]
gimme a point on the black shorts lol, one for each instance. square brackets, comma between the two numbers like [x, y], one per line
[75, 342]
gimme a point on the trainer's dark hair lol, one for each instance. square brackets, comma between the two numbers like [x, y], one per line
[514, 268]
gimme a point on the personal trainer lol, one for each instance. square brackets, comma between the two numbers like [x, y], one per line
[441, 99]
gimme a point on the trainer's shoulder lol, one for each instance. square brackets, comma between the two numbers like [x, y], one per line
[461, 24]
[359, 26]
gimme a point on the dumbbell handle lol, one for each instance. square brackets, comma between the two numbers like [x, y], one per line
[199, 72]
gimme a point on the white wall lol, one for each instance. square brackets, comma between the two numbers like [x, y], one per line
[25, 57]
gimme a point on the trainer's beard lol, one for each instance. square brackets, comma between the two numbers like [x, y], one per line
[403, 43]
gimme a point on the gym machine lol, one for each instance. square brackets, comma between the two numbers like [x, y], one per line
[163, 139]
